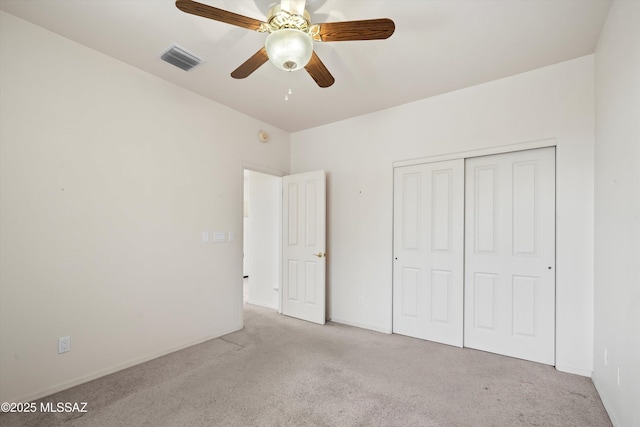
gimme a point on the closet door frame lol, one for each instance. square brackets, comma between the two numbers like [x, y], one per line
[550, 142]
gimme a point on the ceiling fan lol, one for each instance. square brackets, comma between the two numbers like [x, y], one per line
[289, 44]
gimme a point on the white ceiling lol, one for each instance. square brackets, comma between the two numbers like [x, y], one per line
[438, 46]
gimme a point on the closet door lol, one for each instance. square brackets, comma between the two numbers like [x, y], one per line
[510, 254]
[428, 251]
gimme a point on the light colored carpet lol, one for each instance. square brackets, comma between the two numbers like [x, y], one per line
[280, 371]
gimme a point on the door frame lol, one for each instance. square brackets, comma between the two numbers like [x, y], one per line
[502, 149]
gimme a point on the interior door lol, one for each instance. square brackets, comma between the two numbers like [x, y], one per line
[303, 246]
[510, 254]
[428, 251]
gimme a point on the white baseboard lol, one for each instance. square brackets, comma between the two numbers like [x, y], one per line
[576, 371]
[360, 325]
[119, 367]
[260, 304]
[605, 402]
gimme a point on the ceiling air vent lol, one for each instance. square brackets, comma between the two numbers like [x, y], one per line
[180, 58]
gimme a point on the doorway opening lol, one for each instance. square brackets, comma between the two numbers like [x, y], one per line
[262, 239]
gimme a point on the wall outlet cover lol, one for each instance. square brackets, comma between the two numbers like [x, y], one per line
[64, 344]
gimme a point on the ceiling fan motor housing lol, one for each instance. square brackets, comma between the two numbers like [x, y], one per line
[279, 19]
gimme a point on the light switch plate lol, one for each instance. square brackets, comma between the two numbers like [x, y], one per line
[219, 237]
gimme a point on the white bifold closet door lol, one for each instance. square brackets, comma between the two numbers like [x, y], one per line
[428, 251]
[510, 254]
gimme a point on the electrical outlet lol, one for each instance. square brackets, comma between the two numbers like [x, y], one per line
[360, 300]
[64, 344]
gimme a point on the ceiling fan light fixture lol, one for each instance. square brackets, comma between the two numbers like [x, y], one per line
[289, 49]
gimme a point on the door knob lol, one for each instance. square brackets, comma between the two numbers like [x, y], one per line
[320, 254]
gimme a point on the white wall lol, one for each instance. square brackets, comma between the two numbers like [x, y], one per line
[109, 176]
[263, 250]
[553, 102]
[617, 214]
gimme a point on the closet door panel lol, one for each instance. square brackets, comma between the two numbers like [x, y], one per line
[428, 251]
[510, 254]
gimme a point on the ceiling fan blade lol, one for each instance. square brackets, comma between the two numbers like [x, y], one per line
[206, 11]
[319, 72]
[251, 64]
[370, 29]
[295, 7]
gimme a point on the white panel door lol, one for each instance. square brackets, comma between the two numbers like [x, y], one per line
[303, 246]
[510, 254]
[428, 251]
